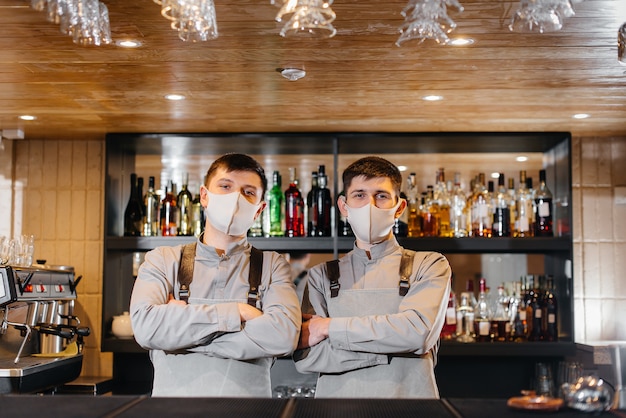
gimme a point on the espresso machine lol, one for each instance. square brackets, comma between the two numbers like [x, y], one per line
[41, 340]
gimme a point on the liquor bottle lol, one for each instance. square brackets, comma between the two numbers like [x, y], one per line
[343, 226]
[133, 215]
[465, 318]
[401, 224]
[535, 302]
[449, 330]
[311, 205]
[273, 226]
[324, 204]
[151, 214]
[184, 202]
[501, 323]
[294, 207]
[197, 216]
[458, 209]
[442, 197]
[140, 194]
[549, 313]
[519, 326]
[543, 208]
[482, 314]
[480, 209]
[512, 204]
[501, 226]
[168, 213]
[430, 214]
[414, 224]
[524, 209]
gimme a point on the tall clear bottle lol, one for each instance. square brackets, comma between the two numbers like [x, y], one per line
[273, 226]
[519, 326]
[458, 209]
[524, 209]
[501, 226]
[324, 204]
[311, 205]
[184, 202]
[543, 208]
[414, 227]
[133, 215]
[465, 318]
[151, 215]
[294, 207]
[482, 314]
[480, 209]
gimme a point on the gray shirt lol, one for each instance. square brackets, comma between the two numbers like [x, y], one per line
[360, 341]
[210, 324]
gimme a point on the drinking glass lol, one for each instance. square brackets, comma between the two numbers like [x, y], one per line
[310, 19]
[544, 383]
[568, 374]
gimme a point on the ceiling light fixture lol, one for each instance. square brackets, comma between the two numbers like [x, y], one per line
[174, 97]
[128, 43]
[291, 74]
[27, 117]
[580, 116]
[461, 42]
[521, 158]
[432, 98]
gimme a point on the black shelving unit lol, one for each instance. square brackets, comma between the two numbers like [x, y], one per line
[122, 151]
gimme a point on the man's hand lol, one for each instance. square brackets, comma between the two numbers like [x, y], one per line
[248, 312]
[314, 330]
[172, 301]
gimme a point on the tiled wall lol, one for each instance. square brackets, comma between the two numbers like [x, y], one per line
[599, 167]
[59, 189]
[59, 186]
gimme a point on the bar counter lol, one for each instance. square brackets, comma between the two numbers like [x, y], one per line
[69, 406]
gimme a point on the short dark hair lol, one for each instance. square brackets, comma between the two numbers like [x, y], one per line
[237, 162]
[371, 167]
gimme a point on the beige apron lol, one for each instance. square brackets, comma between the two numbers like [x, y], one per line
[200, 375]
[406, 376]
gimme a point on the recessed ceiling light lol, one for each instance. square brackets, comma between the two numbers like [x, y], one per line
[580, 116]
[461, 42]
[174, 97]
[128, 43]
[432, 98]
[521, 158]
[495, 175]
[402, 168]
[28, 117]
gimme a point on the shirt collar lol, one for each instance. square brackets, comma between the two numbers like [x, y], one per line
[377, 251]
[209, 252]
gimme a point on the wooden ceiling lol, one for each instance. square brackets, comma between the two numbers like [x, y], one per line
[358, 81]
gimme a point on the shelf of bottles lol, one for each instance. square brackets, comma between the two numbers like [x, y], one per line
[506, 214]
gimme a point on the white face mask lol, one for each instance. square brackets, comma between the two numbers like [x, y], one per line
[371, 224]
[230, 213]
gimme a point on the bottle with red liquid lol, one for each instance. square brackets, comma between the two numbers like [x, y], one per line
[449, 330]
[294, 207]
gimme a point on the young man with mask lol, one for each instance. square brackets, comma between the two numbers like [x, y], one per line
[219, 334]
[372, 319]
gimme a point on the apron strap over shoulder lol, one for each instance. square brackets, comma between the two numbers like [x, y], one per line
[332, 269]
[406, 268]
[254, 277]
[185, 270]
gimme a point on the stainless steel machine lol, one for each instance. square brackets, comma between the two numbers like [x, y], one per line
[41, 340]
